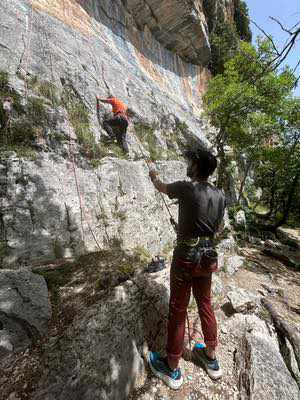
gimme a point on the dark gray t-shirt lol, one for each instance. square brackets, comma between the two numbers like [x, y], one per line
[201, 208]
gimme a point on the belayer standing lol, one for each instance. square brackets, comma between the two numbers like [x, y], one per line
[118, 124]
[201, 211]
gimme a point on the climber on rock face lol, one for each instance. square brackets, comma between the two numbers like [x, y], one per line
[118, 124]
[201, 211]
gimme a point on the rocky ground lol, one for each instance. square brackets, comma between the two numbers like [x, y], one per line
[246, 332]
[262, 276]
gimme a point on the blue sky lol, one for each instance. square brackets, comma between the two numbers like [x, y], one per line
[288, 12]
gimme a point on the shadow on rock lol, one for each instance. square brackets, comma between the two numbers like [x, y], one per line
[99, 355]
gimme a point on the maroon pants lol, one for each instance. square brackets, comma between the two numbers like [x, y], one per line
[181, 283]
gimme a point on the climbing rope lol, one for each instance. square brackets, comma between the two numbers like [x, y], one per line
[148, 162]
[27, 51]
[83, 217]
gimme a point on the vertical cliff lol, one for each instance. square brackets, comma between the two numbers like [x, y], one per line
[56, 56]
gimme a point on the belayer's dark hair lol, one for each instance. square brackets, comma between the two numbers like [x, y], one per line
[205, 160]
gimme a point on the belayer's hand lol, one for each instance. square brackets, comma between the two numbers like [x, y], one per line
[153, 174]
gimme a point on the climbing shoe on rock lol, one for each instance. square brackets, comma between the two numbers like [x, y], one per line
[160, 368]
[211, 366]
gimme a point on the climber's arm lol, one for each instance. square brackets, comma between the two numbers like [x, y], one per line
[158, 184]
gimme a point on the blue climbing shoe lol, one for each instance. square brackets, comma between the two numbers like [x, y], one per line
[212, 367]
[160, 368]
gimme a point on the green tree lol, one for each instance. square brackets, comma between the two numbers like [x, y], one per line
[278, 171]
[246, 104]
[224, 43]
[242, 21]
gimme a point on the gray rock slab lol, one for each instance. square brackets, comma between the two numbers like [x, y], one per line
[262, 371]
[24, 309]
[232, 264]
[100, 355]
[243, 301]
[240, 218]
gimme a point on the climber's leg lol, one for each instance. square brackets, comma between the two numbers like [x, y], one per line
[108, 126]
[121, 132]
[207, 356]
[180, 286]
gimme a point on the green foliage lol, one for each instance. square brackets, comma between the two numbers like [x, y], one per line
[50, 91]
[224, 43]
[36, 111]
[7, 90]
[79, 117]
[179, 139]
[176, 139]
[22, 151]
[252, 108]
[27, 121]
[44, 88]
[225, 35]
[242, 21]
[80, 120]
[146, 135]
[57, 248]
[141, 255]
[108, 147]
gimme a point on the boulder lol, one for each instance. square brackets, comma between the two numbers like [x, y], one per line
[261, 370]
[217, 285]
[243, 301]
[99, 356]
[227, 246]
[240, 218]
[24, 309]
[233, 264]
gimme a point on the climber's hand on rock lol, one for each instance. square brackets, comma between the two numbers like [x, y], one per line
[153, 174]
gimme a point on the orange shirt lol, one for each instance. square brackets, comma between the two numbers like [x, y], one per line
[117, 105]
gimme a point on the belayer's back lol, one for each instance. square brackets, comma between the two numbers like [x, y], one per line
[203, 209]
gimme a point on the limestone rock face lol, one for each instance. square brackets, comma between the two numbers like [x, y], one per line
[82, 49]
[45, 220]
[24, 309]
[179, 25]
